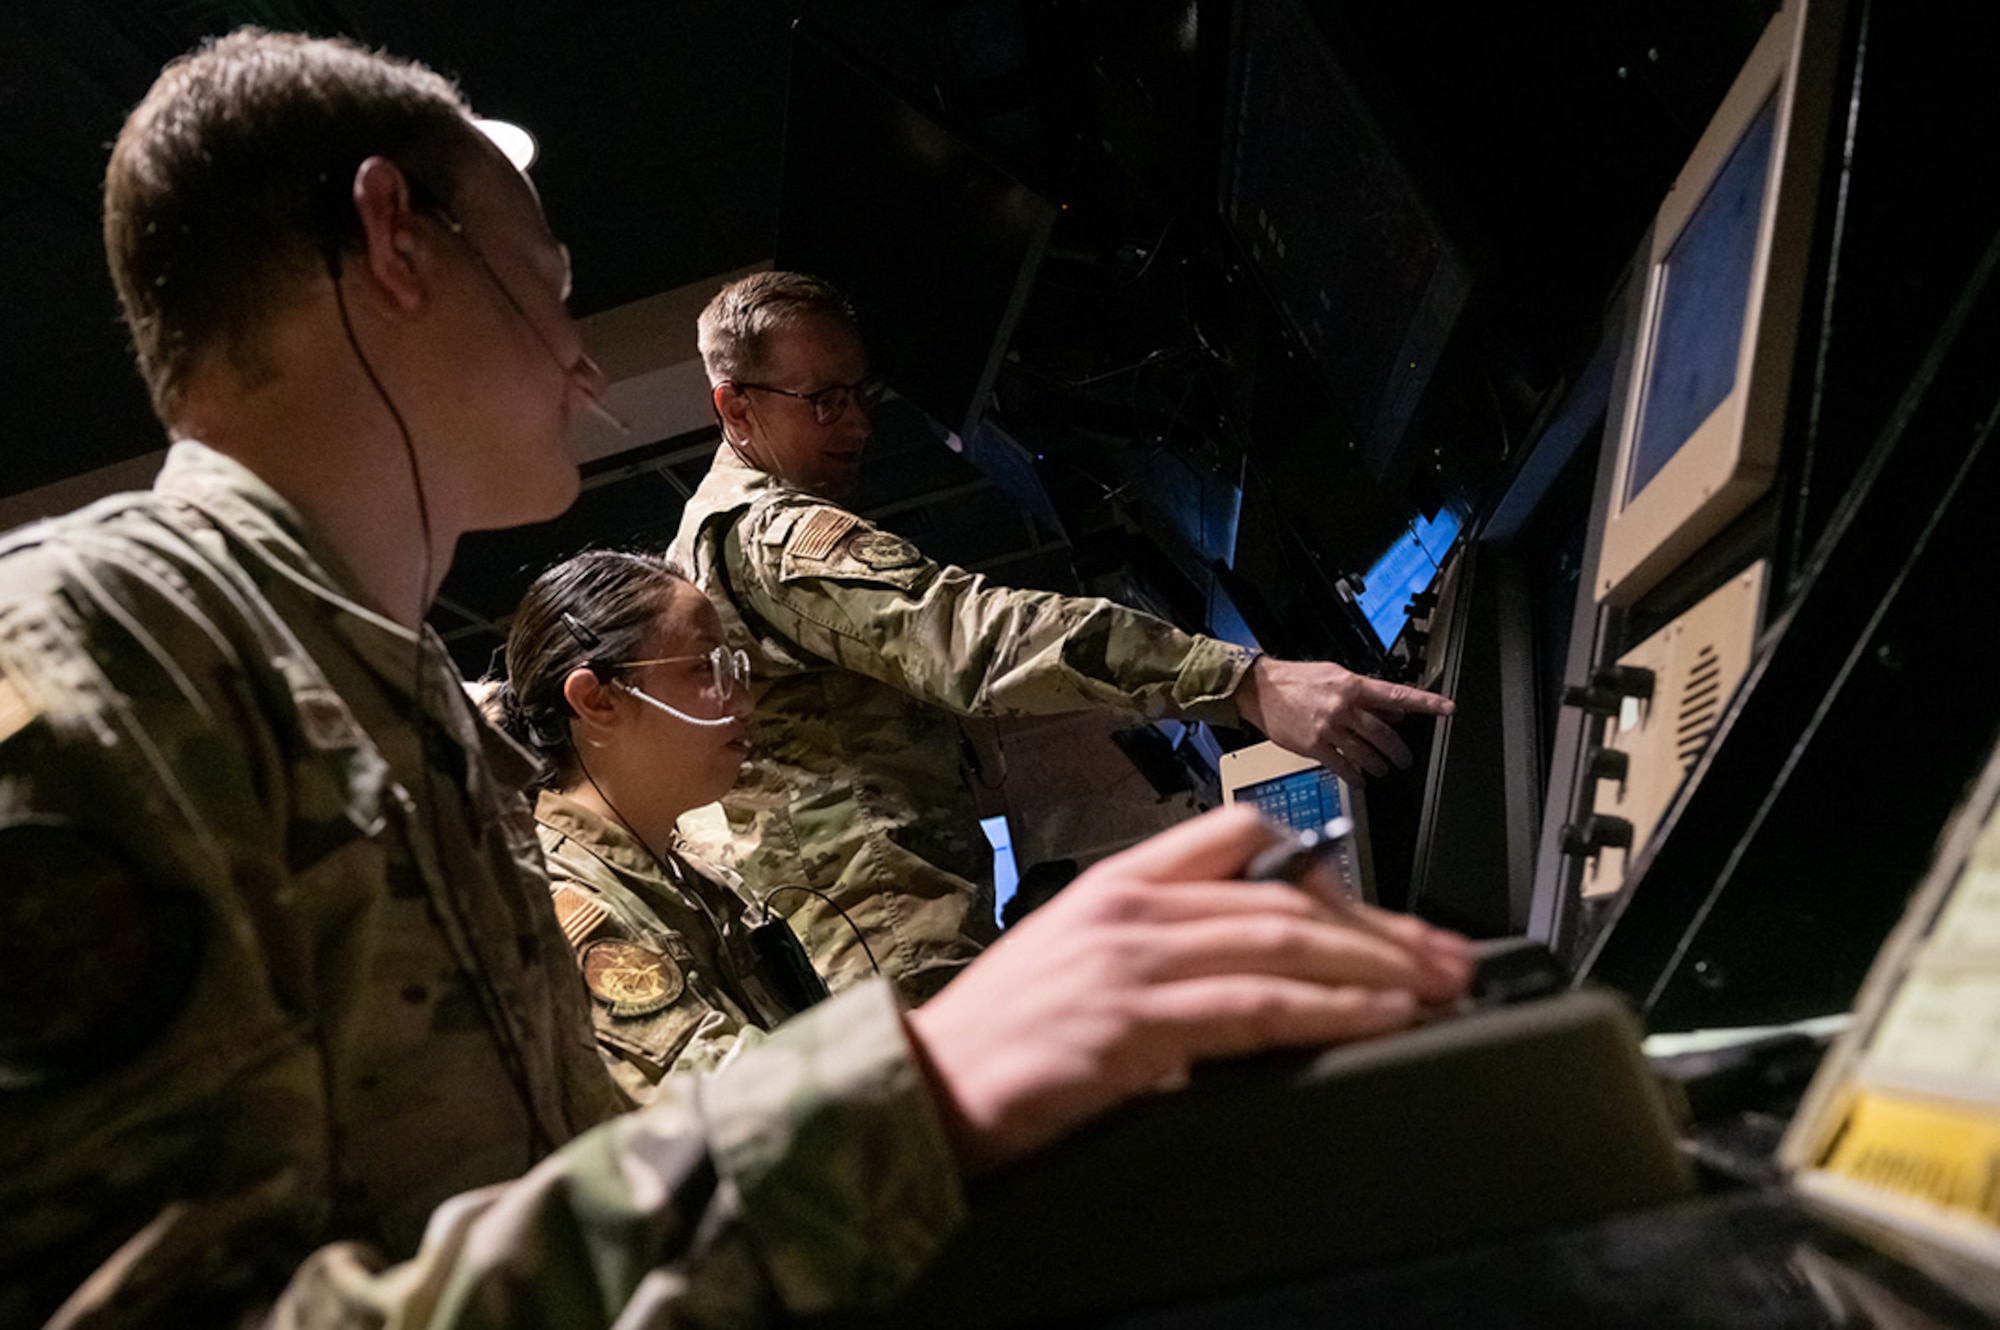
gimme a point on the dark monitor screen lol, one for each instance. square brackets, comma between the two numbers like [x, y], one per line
[1704, 294]
[933, 242]
[1334, 226]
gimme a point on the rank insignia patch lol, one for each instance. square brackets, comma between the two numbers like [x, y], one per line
[630, 979]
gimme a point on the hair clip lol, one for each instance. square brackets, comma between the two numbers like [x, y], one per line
[586, 636]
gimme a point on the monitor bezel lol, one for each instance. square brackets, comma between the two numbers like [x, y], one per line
[1730, 459]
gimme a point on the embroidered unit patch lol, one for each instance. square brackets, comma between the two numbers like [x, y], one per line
[879, 549]
[630, 979]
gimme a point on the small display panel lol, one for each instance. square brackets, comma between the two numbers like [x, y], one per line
[1303, 801]
[1407, 569]
[1701, 303]
[1298, 793]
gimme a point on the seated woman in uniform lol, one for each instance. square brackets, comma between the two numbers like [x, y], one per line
[617, 677]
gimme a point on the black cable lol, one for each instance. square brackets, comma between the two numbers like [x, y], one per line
[859, 936]
[665, 872]
[511, 1055]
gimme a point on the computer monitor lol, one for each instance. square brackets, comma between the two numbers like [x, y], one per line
[934, 242]
[1406, 569]
[1298, 792]
[1711, 357]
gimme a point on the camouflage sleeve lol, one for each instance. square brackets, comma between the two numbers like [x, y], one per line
[869, 602]
[138, 1026]
[809, 1173]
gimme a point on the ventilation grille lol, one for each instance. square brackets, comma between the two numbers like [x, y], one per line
[1701, 704]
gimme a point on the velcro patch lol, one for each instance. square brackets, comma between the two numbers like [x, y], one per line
[630, 979]
[815, 537]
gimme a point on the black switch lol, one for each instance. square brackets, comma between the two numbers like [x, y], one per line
[1608, 688]
[1592, 701]
[1624, 680]
[1594, 833]
[1608, 763]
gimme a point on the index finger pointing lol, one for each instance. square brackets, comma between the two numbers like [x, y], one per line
[1401, 699]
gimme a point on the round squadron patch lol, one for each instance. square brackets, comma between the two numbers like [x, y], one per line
[630, 979]
[879, 549]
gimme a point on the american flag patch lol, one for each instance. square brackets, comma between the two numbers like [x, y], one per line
[577, 913]
[815, 537]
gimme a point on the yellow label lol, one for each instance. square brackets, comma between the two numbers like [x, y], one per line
[1948, 1157]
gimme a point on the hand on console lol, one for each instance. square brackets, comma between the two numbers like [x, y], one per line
[1154, 960]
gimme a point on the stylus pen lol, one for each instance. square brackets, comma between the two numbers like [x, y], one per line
[1291, 860]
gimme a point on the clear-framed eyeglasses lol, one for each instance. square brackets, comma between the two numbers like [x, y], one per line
[730, 669]
[828, 404]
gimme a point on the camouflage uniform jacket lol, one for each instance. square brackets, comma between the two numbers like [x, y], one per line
[664, 945]
[278, 976]
[863, 652]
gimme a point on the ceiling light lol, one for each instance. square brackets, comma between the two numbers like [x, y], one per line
[517, 143]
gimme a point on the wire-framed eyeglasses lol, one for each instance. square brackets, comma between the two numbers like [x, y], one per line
[828, 404]
[730, 669]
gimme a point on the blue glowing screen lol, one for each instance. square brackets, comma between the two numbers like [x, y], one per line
[1407, 569]
[1305, 800]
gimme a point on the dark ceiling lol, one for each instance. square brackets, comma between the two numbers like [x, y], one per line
[1529, 140]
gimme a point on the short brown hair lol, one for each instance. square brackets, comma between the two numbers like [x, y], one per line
[733, 329]
[231, 181]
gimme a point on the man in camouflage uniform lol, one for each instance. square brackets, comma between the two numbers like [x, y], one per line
[255, 943]
[274, 974]
[278, 973]
[865, 651]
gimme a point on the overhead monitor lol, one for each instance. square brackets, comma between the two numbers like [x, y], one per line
[1711, 360]
[1299, 793]
[1335, 228]
[934, 242]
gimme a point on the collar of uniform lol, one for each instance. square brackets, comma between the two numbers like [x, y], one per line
[606, 838]
[731, 476]
[513, 765]
[232, 493]
[256, 514]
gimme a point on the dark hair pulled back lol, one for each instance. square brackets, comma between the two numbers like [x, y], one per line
[600, 605]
